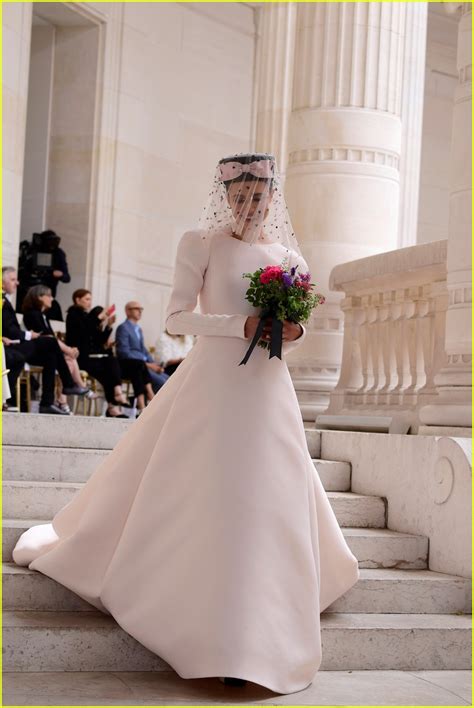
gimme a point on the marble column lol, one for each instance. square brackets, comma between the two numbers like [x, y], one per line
[275, 62]
[343, 176]
[16, 22]
[452, 412]
[414, 60]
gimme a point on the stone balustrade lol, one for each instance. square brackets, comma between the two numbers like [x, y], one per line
[394, 332]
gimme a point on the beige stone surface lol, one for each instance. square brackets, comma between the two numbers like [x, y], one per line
[438, 103]
[381, 590]
[39, 500]
[421, 688]
[86, 641]
[436, 471]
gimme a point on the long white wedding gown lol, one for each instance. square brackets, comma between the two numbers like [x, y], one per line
[206, 533]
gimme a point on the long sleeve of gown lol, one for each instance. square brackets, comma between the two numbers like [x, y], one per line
[191, 263]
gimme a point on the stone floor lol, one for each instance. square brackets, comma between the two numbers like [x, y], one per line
[388, 688]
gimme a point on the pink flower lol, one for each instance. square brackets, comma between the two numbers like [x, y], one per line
[271, 273]
[302, 284]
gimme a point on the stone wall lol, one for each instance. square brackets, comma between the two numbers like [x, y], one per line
[173, 92]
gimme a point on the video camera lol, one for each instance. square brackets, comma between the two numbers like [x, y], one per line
[36, 258]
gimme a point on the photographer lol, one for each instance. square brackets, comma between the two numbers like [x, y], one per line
[42, 262]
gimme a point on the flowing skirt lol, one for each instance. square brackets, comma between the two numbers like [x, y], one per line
[206, 533]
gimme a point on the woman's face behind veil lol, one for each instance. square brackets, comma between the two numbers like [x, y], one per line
[249, 201]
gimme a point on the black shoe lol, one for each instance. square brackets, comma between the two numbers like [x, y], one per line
[120, 415]
[75, 390]
[230, 681]
[124, 405]
[52, 410]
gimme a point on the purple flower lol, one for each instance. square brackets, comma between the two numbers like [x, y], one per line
[287, 279]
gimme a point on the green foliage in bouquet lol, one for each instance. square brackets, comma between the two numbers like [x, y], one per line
[285, 294]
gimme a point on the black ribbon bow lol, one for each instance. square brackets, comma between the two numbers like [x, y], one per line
[276, 336]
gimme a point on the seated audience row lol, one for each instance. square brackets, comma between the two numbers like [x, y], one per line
[88, 346]
[31, 347]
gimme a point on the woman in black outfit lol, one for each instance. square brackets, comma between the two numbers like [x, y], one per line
[36, 312]
[90, 333]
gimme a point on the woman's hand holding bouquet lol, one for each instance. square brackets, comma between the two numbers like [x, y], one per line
[285, 298]
[291, 330]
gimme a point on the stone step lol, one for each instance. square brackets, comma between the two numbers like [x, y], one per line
[92, 432]
[11, 532]
[384, 548]
[313, 440]
[335, 476]
[50, 464]
[329, 688]
[374, 548]
[25, 589]
[33, 500]
[387, 590]
[91, 641]
[72, 464]
[36, 500]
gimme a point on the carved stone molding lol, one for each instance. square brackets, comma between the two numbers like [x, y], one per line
[443, 478]
[345, 154]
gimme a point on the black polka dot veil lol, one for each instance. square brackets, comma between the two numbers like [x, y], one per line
[246, 199]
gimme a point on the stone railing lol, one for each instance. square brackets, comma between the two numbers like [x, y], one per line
[394, 331]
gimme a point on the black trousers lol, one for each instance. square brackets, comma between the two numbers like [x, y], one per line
[171, 368]
[137, 372]
[106, 370]
[45, 352]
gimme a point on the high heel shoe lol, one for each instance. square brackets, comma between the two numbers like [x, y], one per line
[230, 681]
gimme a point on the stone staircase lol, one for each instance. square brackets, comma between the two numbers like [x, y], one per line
[399, 616]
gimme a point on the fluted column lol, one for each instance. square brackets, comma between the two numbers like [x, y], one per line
[453, 380]
[16, 21]
[275, 62]
[414, 61]
[343, 177]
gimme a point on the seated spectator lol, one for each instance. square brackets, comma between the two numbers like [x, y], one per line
[36, 310]
[90, 331]
[171, 349]
[31, 347]
[136, 362]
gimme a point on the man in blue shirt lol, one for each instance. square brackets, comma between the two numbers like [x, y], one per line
[136, 362]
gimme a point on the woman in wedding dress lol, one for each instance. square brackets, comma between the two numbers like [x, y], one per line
[206, 533]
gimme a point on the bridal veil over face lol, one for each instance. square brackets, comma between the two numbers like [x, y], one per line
[246, 197]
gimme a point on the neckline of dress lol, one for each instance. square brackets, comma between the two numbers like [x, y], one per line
[258, 242]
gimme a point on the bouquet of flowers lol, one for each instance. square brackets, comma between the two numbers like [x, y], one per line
[282, 294]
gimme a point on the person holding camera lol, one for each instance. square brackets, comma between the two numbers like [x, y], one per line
[43, 262]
